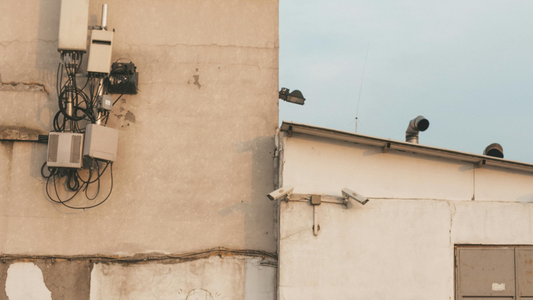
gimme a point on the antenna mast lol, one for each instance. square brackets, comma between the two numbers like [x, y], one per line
[360, 89]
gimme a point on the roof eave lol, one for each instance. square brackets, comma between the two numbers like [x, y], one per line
[387, 144]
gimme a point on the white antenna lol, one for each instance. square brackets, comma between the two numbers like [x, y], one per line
[360, 89]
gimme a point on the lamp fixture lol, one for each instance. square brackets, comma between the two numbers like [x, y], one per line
[295, 96]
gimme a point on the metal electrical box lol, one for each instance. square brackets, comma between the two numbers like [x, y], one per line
[64, 150]
[73, 22]
[106, 102]
[100, 142]
[494, 272]
[100, 51]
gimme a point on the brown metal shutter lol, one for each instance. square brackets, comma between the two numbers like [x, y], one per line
[494, 272]
[485, 272]
[524, 272]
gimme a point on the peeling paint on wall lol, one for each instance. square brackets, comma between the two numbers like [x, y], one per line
[19, 133]
[67, 279]
[130, 117]
[199, 275]
[23, 86]
[25, 282]
[197, 81]
[214, 278]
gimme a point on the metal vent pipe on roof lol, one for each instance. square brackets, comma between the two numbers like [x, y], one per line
[415, 126]
[494, 149]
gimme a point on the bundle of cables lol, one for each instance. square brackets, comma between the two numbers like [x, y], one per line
[76, 111]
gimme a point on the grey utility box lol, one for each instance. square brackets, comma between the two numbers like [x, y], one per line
[106, 102]
[100, 142]
[100, 51]
[64, 150]
[73, 21]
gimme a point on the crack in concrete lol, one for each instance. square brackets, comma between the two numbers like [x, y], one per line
[293, 234]
[7, 43]
[202, 45]
[452, 214]
[147, 257]
[23, 87]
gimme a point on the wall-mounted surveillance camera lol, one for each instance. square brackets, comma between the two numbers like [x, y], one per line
[349, 194]
[279, 193]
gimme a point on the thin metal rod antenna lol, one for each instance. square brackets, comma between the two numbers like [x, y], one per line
[361, 88]
[104, 16]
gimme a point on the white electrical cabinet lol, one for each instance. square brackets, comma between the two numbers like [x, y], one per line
[64, 150]
[73, 22]
[100, 142]
[100, 51]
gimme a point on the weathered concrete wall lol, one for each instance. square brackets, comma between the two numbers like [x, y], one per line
[400, 245]
[195, 156]
[212, 278]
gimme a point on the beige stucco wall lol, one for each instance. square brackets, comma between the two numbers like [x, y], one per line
[195, 156]
[400, 245]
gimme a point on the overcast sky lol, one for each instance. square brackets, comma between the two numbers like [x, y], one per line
[465, 65]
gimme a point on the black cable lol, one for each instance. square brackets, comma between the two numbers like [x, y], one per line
[63, 98]
[58, 82]
[42, 171]
[55, 188]
[118, 99]
[98, 179]
[116, 61]
[99, 175]
[100, 203]
[57, 126]
[73, 183]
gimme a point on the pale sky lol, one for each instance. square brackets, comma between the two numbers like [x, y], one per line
[467, 66]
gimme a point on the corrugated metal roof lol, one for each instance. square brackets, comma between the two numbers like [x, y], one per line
[387, 144]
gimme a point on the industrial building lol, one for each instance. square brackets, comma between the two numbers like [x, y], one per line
[139, 148]
[435, 224]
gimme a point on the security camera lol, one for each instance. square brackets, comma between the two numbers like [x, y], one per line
[279, 193]
[349, 194]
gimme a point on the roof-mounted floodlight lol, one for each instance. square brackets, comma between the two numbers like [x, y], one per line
[295, 96]
[349, 194]
[280, 193]
[494, 149]
[415, 126]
